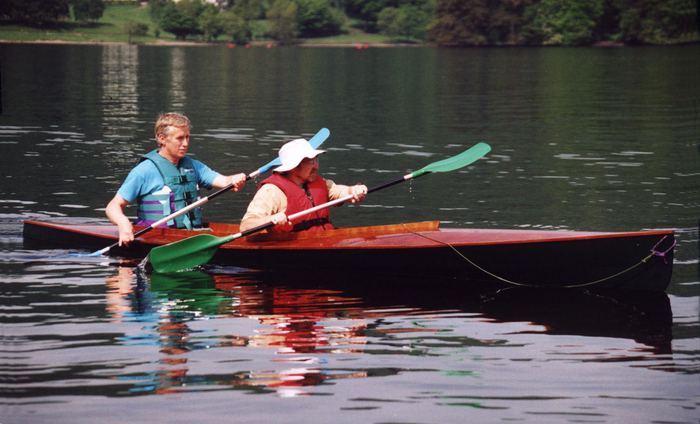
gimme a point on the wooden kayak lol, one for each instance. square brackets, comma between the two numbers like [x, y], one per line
[520, 258]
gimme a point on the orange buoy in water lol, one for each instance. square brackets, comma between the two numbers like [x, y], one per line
[231, 45]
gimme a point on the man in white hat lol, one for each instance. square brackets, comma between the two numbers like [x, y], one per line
[295, 186]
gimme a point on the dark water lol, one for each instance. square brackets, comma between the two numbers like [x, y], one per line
[584, 139]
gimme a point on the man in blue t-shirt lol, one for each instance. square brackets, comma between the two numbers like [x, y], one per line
[166, 181]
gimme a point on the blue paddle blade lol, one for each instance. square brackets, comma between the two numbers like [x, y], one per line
[315, 142]
[319, 137]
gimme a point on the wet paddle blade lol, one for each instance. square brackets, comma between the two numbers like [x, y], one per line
[461, 160]
[186, 254]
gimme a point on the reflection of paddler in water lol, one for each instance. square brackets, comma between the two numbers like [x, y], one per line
[295, 318]
[294, 334]
[169, 319]
[189, 295]
[119, 287]
[175, 299]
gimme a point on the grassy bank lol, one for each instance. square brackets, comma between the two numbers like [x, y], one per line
[112, 28]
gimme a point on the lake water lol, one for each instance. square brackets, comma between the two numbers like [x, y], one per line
[583, 139]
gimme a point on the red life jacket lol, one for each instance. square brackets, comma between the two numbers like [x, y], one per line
[299, 199]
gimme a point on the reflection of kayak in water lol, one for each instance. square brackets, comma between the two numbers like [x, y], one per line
[295, 306]
[645, 317]
[636, 260]
[302, 321]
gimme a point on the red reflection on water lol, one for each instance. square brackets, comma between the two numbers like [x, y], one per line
[303, 324]
[295, 321]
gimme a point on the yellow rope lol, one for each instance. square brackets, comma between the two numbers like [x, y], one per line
[505, 280]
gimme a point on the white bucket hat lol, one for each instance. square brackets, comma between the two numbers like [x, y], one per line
[293, 152]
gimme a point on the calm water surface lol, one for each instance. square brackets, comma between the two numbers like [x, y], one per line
[583, 139]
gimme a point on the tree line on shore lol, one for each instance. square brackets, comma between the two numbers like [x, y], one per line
[442, 22]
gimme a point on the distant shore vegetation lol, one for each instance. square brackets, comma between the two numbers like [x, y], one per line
[457, 23]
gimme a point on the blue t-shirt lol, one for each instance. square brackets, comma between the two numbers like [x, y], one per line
[145, 179]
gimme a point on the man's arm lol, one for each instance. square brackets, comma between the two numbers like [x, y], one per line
[268, 204]
[115, 213]
[209, 178]
[222, 181]
[336, 191]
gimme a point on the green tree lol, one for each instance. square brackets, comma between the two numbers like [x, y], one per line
[87, 10]
[460, 23]
[181, 19]
[248, 11]
[211, 23]
[387, 21]
[607, 27]
[317, 18]
[282, 16]
[658, 22]
[156, 7]
[135, 29]
[34, 12]
[507, 22]
[405, 22]
[155, 10]
[367, 11]
[234, 26]
[565, 22]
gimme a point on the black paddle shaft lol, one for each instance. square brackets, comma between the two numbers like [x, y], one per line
[267, 225]
[391, 183]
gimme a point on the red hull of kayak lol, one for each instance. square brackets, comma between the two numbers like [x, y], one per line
[637, 260]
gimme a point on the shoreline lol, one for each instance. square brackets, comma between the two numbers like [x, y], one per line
[304, 43]
[174, 43]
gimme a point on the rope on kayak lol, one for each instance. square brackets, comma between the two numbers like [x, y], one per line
[662, 254]
[653, 252]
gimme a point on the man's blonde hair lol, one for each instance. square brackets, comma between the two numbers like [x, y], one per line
[171, 119]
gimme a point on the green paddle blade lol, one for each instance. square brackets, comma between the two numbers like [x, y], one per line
[187, 253]
[461, 160]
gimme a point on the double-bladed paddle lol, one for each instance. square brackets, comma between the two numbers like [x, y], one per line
[198, 250]
[315, 142]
